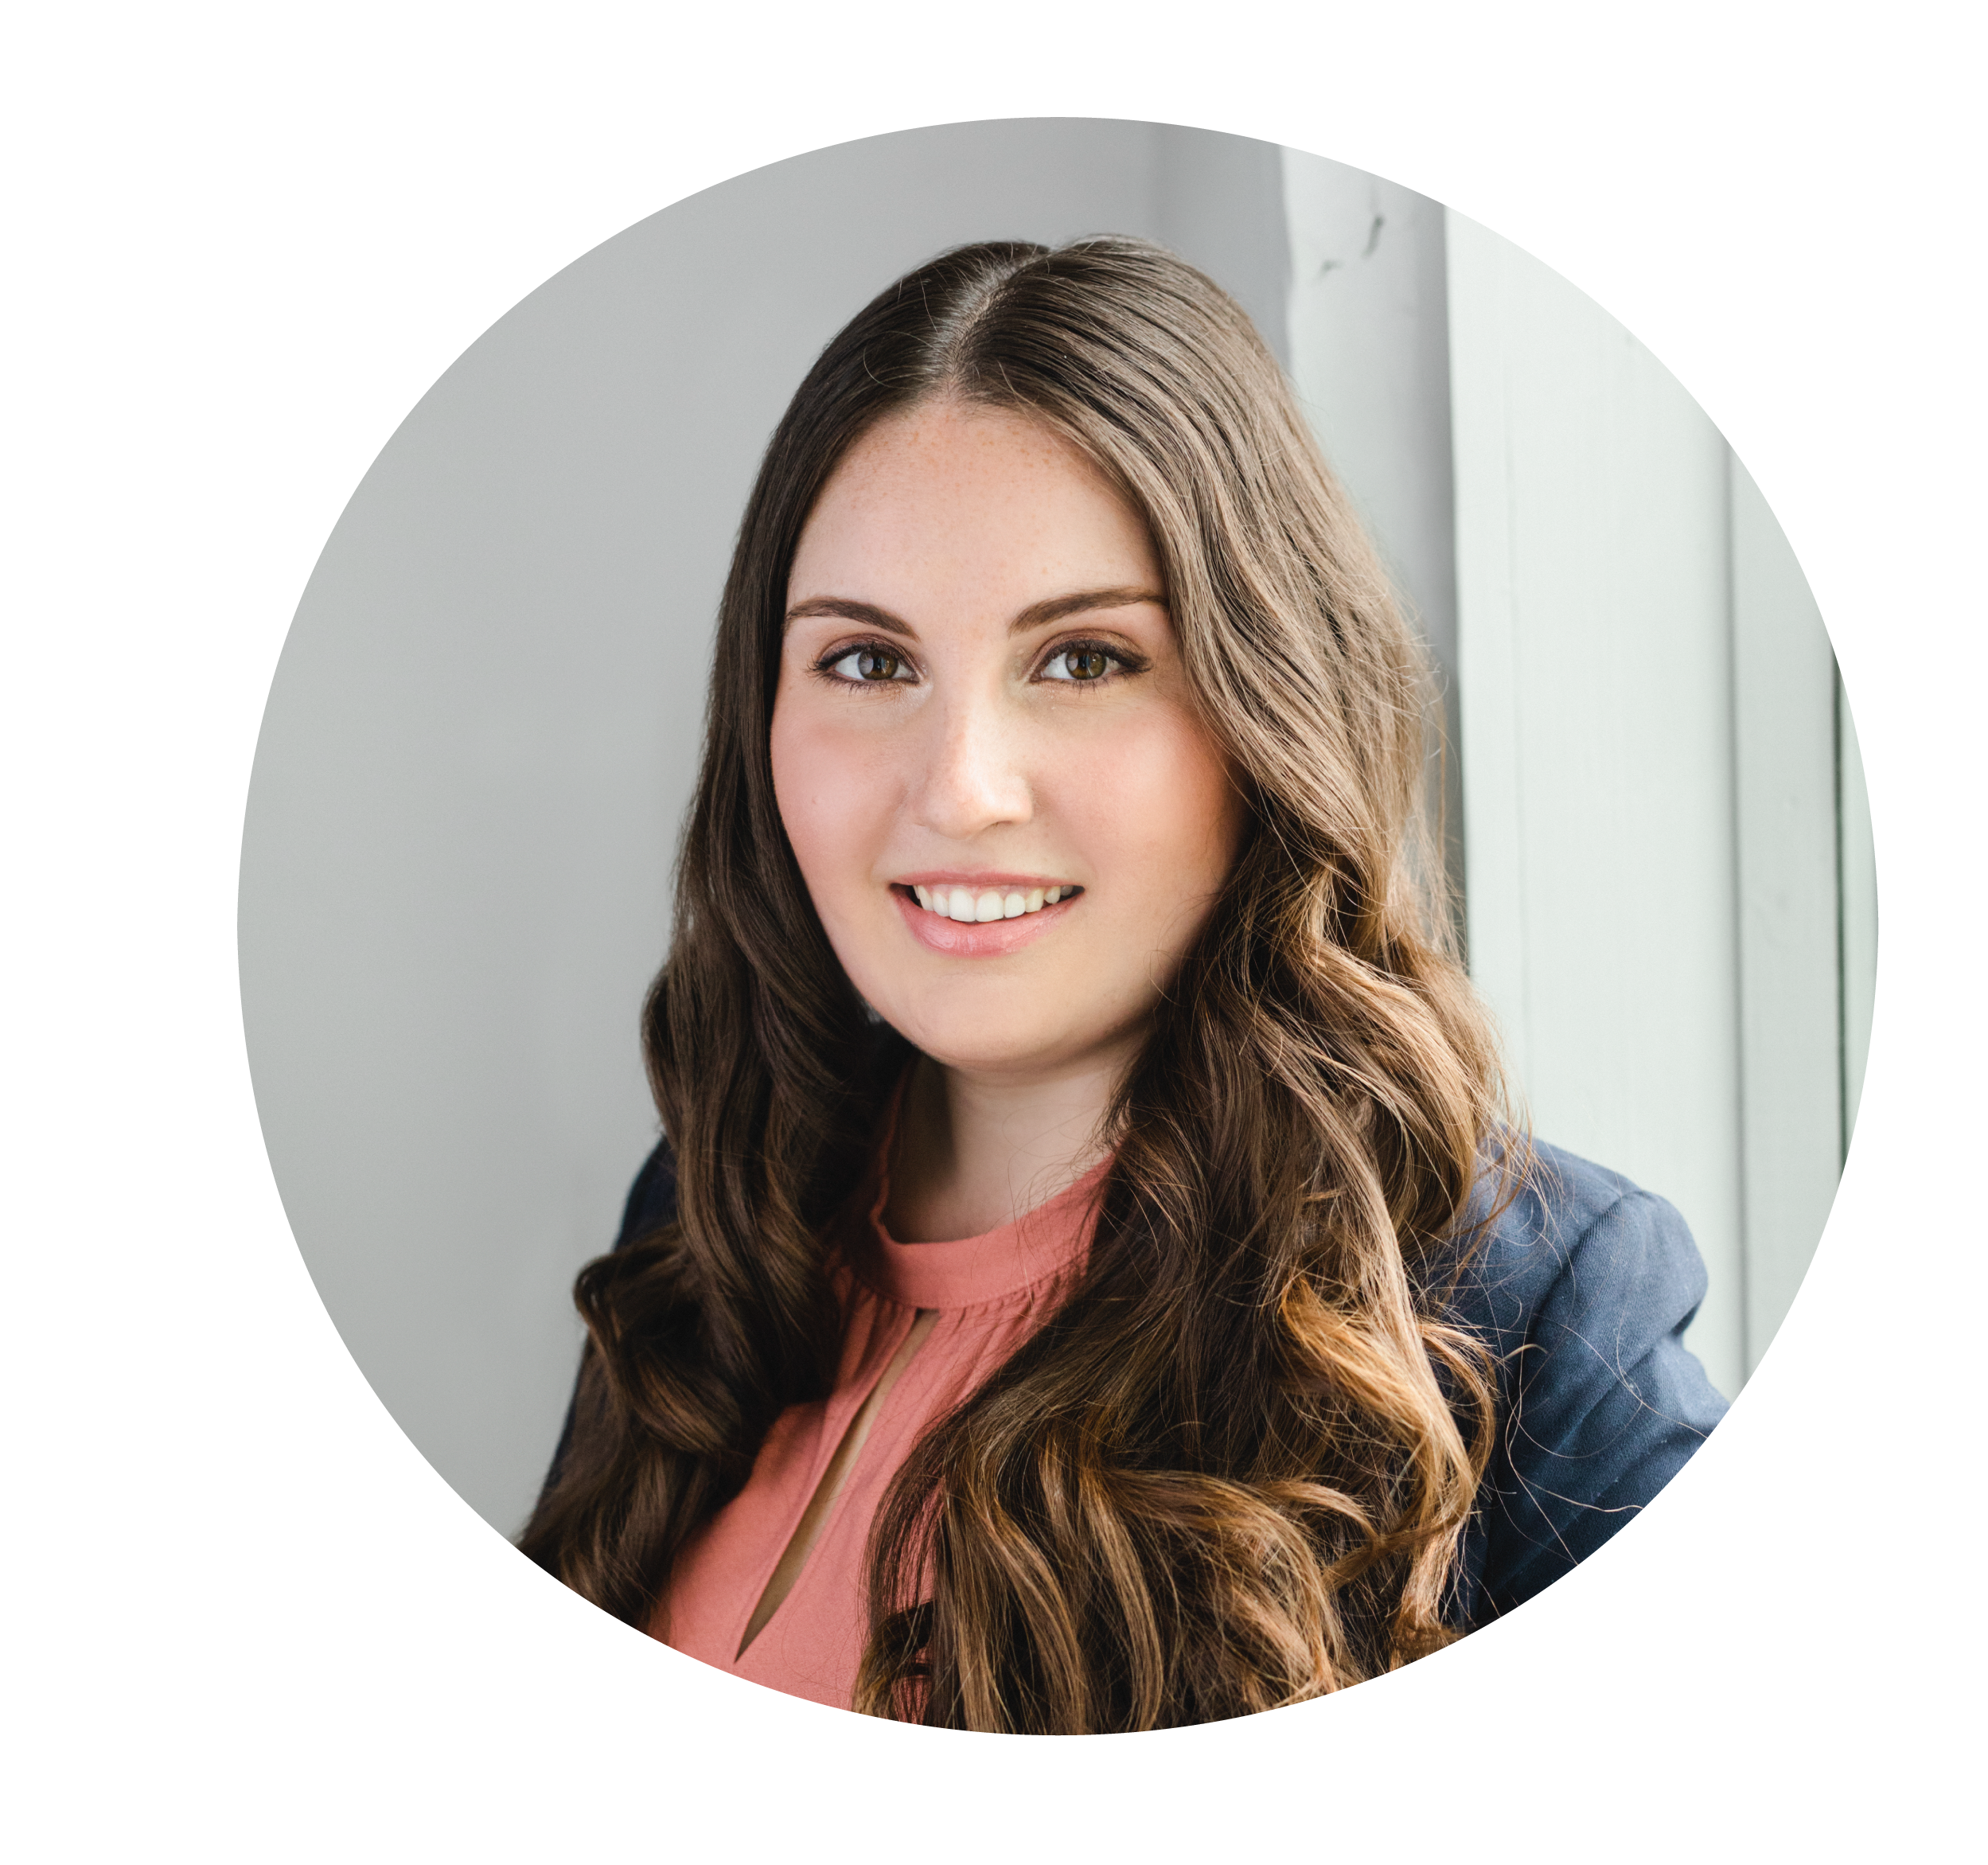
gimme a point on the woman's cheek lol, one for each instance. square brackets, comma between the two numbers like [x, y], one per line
[827, 795]
[1156, 805]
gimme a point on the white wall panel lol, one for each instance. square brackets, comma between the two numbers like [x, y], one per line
[1857, 859]
[1596, 682]
[1369, 324]
[1790, 1035]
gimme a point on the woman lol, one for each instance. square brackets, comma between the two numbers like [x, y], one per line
[1085, 1284]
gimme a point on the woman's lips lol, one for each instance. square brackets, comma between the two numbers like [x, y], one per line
[990, 939]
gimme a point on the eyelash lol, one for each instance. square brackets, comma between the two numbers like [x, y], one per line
[1123, 662]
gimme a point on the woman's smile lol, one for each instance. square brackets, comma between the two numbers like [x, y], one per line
[982, 897]
[960, 922]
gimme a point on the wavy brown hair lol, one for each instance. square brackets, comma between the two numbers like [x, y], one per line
[1234, 1470]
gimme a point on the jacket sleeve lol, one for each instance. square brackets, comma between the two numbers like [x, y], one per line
[1604, 1402]
[651, 1204]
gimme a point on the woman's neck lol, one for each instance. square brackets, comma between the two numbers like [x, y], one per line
[973, 1153]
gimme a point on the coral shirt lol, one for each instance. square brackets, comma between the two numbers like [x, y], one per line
[986, 1295]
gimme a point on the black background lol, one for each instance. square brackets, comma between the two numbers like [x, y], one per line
[322, 301]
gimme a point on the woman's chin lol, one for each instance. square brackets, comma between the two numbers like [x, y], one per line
[1000, 1049]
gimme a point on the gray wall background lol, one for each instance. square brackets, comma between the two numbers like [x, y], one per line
[483, 729]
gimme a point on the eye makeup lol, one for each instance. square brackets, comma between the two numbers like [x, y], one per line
[1120, 660]
[1082, 661]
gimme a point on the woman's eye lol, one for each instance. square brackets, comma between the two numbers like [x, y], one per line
[1080, 664]
[872, 665]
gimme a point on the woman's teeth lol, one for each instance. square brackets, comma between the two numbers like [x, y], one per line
[958, 903]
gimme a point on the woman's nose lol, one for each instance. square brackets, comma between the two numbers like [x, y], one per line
[975, 777]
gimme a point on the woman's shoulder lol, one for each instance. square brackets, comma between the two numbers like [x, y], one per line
[652, 1200]
[1555, 1227]
[1583, 1283]
[1582, 1287]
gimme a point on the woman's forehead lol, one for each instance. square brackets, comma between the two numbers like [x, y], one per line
[947, 500]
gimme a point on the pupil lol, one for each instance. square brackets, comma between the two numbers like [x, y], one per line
[873, 665]
[1085, 664]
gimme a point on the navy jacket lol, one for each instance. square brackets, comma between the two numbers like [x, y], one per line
[1582, 1289]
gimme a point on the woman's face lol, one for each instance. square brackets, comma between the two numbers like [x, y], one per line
[984, 747]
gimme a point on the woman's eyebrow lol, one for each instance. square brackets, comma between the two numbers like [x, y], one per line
[1036, 615]
[1057, 607]
[866, 613]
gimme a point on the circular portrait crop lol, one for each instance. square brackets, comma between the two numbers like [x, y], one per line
[1057, 926]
